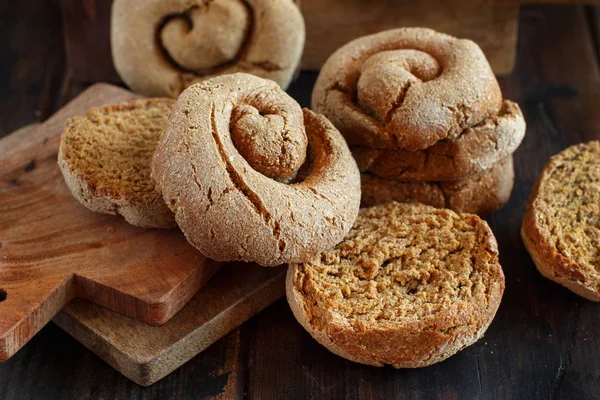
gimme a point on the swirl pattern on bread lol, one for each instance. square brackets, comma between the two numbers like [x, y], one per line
[207, 172]
[406, 88]
[161, 47]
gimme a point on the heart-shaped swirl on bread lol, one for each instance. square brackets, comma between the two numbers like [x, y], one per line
[406, 89]
[222, 165]
[161, 47]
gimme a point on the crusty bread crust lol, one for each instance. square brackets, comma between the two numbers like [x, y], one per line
[412, 341]
[476, 150]
[406, 88]
[229, 210]
[141, 206]
[546, 223]
[479, 194]
[161, 47]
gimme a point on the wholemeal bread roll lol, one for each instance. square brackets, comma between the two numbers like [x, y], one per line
[227, 165]
[406, 88]
[479, 194]
[105, 159]
[561, 227]
[476, 150]
[410, 285]
[160, 47]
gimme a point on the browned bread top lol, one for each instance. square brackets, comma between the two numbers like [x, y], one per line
[105, 159]
[561, 227]
[223, 162]
[406, 89]
[410, 285]
[161, 47]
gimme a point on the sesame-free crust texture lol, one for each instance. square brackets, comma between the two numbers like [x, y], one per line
[227, 165]
[476, 150]
[161, 47]
[406, 88]
[479, 194]
[105, 159]
[561, 227]
[410, 286]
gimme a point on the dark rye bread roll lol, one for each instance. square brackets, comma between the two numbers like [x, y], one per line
[479, 194]
[160, 47]
[477, 149]
[410, 285]
[224, 163]
[105, 159]
[406, 88]
[561, 227]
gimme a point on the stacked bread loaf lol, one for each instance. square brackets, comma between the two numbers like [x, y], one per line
[425, 119]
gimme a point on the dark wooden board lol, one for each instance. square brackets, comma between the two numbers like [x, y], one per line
[52, 249]
[146, 354]
[543, 344]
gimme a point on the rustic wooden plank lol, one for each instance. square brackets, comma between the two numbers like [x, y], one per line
[493, 26]
[87, 31]
[146, 354]
[18, 140]
[52, 249]
[31, 62]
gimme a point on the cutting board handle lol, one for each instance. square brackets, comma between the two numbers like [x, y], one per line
[27, 306]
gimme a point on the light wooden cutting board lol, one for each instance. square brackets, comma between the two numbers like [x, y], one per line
[146, 354]
[52, 249]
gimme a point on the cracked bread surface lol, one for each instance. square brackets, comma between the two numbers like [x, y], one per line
[479, 194]
[227, 208]
[406, 88]
[475, 150]
[105, 160]
[561, 226]
[410, 285]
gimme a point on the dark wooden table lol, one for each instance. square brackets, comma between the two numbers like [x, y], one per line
[544, 342]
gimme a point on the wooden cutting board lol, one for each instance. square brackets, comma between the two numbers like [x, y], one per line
[52, 249]
[146, 354]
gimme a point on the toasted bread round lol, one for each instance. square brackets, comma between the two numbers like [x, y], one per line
[561, 227]
[105, 159]
[479, 194]
[410, 285]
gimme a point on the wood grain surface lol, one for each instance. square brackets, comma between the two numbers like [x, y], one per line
[52, 249]
[146, 354]
[333, 23]
[543, 344]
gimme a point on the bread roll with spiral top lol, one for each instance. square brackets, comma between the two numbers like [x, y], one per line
[160, 47]
[224, 165]
[406, 88]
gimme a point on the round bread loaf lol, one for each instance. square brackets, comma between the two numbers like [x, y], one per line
[410, 285]
[161, 47]
[105, 159]
[406, 88]
[476, 150]
[224, 162]
[561, 227]
[479, 194]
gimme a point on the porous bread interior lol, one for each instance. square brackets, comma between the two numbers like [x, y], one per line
[110, 148]
[567, 206]
[403, 265]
